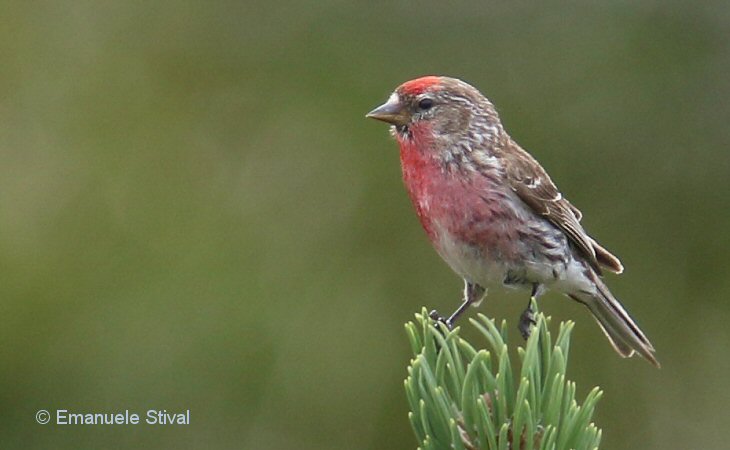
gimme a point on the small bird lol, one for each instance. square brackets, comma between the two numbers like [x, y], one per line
[492, 212]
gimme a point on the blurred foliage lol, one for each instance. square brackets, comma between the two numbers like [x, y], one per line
[194, 213]
[467, 399]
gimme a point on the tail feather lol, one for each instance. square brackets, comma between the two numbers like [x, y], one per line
[620, 329]
[606, 259]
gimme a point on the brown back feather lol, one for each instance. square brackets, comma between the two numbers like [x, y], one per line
[534, 187]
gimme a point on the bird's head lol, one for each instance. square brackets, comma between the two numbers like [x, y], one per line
[438, 107]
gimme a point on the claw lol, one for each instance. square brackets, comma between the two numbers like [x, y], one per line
[527, 321]
[434, 315]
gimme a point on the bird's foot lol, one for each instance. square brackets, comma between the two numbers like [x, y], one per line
[434, 315]
[527, 321]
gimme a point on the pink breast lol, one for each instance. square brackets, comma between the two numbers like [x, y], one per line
[471, 207]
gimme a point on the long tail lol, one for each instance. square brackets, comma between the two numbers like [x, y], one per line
[619, 327]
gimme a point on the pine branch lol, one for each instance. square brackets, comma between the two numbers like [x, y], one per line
[466, 399]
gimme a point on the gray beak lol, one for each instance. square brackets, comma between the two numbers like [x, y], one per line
[391, 112]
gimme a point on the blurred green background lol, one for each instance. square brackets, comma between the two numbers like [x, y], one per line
[195, 214]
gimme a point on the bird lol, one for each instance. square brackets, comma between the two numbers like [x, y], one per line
[493, 213]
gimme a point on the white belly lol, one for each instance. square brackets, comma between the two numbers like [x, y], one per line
[474, 265]
[469, 262]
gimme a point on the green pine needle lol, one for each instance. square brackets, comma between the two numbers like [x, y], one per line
[466, 398]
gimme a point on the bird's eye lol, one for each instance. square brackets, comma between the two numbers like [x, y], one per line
[425, 104]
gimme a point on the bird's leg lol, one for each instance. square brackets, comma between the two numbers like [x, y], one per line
[473, 294]
[527, 319]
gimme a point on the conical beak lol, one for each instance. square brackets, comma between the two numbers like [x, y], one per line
[391, 112]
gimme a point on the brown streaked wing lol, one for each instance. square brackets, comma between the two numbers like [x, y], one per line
[576, 212]
[533, 185]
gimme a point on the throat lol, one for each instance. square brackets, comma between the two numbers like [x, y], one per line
[422, 173]
[401, 132]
